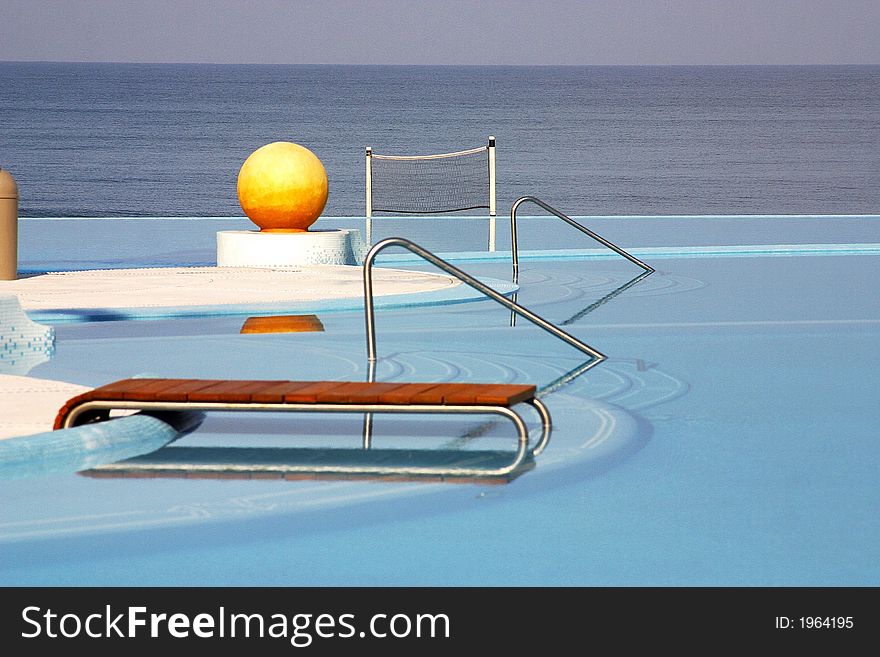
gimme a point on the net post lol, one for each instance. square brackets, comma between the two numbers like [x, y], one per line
[369, 197]
[491, 149]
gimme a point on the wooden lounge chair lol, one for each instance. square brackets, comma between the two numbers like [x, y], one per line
[207, 395]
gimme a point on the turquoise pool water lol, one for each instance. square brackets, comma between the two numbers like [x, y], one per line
[729, 439]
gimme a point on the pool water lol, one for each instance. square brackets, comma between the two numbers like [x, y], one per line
[729, 439]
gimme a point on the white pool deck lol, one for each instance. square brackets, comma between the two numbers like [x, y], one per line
[210, 286]
[28, 405]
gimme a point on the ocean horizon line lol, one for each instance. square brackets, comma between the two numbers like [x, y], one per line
[443, 65]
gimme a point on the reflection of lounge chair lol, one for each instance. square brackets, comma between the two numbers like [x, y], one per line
[321, 463]
[335, 397]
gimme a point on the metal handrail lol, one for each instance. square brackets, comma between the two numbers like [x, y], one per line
[465, 278]
[570, 222]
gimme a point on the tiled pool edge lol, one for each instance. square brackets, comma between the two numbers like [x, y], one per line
[721, 251]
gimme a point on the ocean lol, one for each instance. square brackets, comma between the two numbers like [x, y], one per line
[129, 140]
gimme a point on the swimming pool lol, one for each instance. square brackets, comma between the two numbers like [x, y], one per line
[729, 439]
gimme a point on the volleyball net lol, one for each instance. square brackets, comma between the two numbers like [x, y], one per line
[430, 184]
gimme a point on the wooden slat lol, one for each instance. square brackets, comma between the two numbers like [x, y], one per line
[118, 389]
[440, 393]
[178, 390]
[359, 393]
[463, 394]
[405, 393]
[229, 391]
[311, 394]
[274, 394]
[505, 394]
[432, 395]
[147, 392]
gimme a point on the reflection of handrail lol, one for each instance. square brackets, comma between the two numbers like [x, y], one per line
[581, 313]
[465, 278]
[570, 222]
[608, 297]
[563, 380]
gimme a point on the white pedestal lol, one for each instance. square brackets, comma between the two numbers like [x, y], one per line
[253, 248]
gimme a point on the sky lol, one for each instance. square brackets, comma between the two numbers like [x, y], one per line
[518, 32]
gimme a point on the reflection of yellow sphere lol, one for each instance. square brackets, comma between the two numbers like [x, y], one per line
[282, 186]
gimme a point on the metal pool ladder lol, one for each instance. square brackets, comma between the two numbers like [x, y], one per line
[465, 278]
[570, 222]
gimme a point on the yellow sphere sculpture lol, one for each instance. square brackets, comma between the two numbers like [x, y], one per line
[282, 187]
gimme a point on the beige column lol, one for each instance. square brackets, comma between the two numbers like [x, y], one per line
[8, 227]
